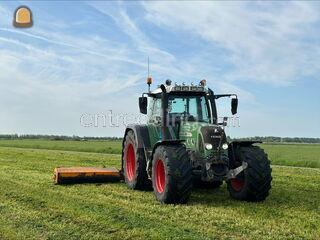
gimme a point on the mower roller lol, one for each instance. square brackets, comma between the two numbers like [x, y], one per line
[183, 145]
[64, 175]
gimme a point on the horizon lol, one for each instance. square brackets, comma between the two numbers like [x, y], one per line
[107, 137]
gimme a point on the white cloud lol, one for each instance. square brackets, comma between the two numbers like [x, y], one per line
[268, 43]
[231, 88]
[48, 79]
[161, 59]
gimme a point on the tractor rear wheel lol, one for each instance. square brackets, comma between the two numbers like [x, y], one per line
[171, 174]
[254, 183]
[134, 164]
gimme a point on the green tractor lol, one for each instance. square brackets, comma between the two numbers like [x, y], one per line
[182, 145]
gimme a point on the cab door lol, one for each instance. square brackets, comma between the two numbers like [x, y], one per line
[154, 120]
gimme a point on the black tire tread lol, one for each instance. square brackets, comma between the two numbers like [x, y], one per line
[257, 176]
[179, 174]
[141, 181]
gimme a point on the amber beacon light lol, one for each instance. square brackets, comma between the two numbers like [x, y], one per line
[22, 17]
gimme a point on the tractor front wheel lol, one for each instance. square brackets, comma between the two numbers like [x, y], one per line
[171, 174]
[254, 183]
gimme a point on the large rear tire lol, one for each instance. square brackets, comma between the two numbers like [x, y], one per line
[254, 183]
[171, 174]
[134, 164]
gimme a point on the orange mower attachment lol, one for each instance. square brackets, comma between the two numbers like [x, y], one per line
[63, 175]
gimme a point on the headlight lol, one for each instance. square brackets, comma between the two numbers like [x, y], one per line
[225, 146]
[208, 146]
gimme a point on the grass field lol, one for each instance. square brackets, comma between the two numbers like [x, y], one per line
[32, 207]
[79, 146]
[300, 155]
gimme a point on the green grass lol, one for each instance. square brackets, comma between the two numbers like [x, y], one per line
[300, 155]
[101, 146]
[32, 207]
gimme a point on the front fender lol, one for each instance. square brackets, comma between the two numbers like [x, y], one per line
[234, 144]
[166, 142]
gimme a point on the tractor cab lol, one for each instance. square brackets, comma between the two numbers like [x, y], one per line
[184, 112]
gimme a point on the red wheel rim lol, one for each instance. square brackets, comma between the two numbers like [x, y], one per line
[237, 184]
[130, 162]
[160, 176]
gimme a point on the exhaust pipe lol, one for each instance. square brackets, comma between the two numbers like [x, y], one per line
[164, 100]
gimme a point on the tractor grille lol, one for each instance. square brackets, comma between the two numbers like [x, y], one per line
[212, 135]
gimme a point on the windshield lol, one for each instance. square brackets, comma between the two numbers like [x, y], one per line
[190, 108]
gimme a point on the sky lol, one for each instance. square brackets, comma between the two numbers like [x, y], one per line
[84, 59]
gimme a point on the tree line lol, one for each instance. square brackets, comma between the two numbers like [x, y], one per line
[272, 139]
[52, 137]
[269, 139]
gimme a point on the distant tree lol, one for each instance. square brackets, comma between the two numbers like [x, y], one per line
[268, 139]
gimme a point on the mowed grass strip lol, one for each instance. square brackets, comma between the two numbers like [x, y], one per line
[299, 155]
[32, 207]
[98, 146]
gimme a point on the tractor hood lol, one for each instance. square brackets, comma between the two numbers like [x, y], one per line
[196, 134]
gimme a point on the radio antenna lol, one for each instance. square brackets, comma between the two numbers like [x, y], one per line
[148, 67]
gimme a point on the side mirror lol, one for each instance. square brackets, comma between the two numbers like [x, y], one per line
[234, 105]
[143, 103]
[225, 121]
